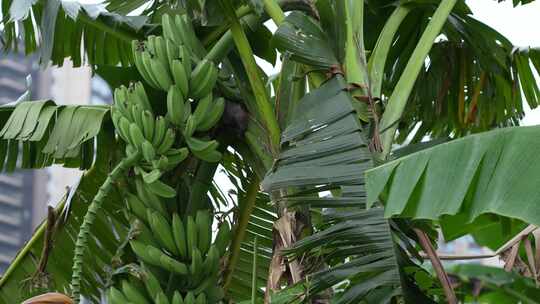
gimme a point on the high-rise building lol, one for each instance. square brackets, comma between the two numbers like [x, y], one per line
[23, 194]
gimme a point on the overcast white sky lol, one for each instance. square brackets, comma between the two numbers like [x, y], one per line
[521, 25]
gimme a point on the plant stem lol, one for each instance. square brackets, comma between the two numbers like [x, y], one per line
[378, 58]
[240, 230]
[261, 97]
[84, 231]
[398, 100]
[355, 64]
[437, 265]
[274, 11]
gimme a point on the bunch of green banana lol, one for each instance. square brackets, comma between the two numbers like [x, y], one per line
[186, 246]
[163, 63]
[152, 136]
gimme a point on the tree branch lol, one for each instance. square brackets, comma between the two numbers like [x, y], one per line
[437, 265]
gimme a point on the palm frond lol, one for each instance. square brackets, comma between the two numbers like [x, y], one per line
[59, 29]
[324, 149]
[472, 81]
[37, 134]
[254, 219]
[459, 181]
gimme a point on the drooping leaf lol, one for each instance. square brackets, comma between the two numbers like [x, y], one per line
[491, 172]
[44, 134]
[57, 28]
[305, 40]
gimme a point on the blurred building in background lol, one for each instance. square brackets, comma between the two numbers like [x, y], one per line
[25, 194]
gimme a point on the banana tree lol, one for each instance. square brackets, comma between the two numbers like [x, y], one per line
[386, 122]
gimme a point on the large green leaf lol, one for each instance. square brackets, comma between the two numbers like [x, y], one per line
[496, 172]
[484, 284]
[42, 134]
[306, 41]
[57, 28]
[323, 148]
[20, 280]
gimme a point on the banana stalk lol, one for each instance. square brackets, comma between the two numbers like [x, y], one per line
[82, 238]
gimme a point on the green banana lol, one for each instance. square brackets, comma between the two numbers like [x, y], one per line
[202, 108]
[180, 76]
[167, 142]
[203, 79]
[182, 29]
[117, 120]
[148, 121]
[223, 238]
[124, 130]
[162, 163]
[141, 97]
[136, 114]
[211, 263]
[147, 64]
[138, 51]
[133, 294]
[190, 298]
[177, 298]
[201, 299]
[207, 283]
[162, 229]
[148, 151]
[173, 265]
[179, 235]
[152, 283]
[199, 145]
[115, 117]
[190, 127]
[161, 52]
[185, 56]
[191, 233]
[196, 267]
[204, 230]
[176, 156]
[153, 256]
[212, 116]
[161, 74]
[150, 45]
[144, 234]
[161, 298]
[212, 156]
[160, 128]
[205, 150]
[121, 98]
[145, 252]
[149, 198]
[116, 296]
[135, 134]
[170, 30]
[161, 189]
[173, 52]
[175, 105]
[136, 206]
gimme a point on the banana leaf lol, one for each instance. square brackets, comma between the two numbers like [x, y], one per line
[456, 182]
